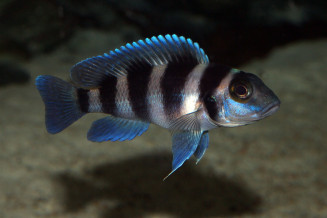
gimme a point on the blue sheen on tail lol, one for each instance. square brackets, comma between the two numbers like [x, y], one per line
[61, 105]
[114, 128]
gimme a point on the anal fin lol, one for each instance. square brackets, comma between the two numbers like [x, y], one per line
[113, 129]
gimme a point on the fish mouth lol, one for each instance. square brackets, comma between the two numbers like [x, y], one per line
[270, 109]
[267, 111]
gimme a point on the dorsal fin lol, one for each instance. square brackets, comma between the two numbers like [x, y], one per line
[155, 51]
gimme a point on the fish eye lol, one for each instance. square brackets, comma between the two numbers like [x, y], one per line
[240, 90]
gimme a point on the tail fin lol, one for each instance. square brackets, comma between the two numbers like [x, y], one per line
[61, 105]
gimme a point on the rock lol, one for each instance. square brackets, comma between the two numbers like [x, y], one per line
[91, 42]
[11, 73]
[35, 25]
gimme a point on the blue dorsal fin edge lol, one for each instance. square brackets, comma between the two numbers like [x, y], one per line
[154, 51]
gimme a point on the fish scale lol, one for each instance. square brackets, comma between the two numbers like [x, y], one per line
[165, 80]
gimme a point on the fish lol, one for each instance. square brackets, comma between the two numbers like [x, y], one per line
[163, 80]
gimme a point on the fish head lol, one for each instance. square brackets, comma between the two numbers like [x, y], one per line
[243, 98]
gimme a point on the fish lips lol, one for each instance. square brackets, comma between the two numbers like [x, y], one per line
[266, 112]
[270, 109]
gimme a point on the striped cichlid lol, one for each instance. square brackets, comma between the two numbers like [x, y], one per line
[166, 80]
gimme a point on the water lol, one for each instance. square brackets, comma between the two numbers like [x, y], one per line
[273, 168]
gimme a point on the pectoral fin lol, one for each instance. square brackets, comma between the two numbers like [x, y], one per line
[187, 122]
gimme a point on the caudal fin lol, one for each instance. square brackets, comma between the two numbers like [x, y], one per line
[61, 105]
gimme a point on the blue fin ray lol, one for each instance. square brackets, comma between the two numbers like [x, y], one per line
[61, 107]
[155, 51]
[113, 129]
[202, 147]
[184, 145]
[163, 46]
[159, 56]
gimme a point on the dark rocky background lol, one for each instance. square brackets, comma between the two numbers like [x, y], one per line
[232, 32]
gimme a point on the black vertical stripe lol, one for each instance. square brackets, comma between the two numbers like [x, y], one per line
[107, 94]
[211, 79]
[138, 79]
[83, 99]
[172, 85]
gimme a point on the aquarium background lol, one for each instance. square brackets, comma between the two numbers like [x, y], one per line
[274, 168]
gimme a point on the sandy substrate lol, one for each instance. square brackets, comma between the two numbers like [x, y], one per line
[274, 168]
